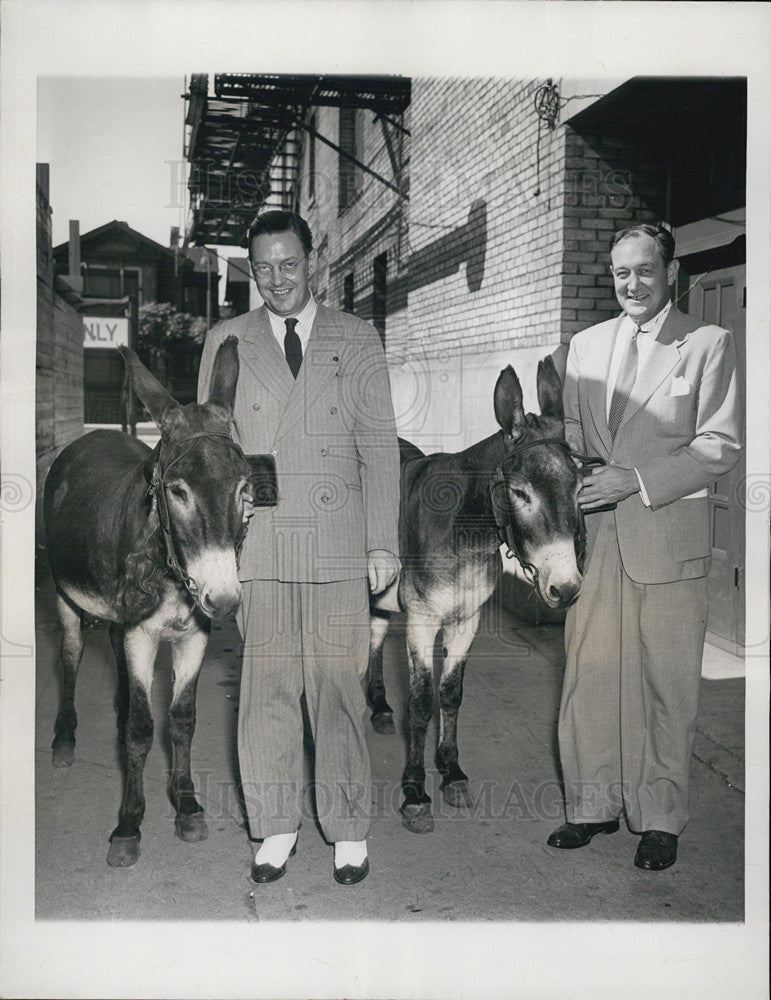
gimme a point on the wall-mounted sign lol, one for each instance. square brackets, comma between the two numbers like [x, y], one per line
[105, 331]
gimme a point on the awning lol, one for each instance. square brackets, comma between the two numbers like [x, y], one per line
[238, 270]
[692, 128]
[707, 234]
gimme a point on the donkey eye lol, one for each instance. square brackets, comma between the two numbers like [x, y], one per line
[178, 491]
[520, 494]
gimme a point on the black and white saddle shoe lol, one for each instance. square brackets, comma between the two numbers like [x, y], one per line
[269, 873]
[351, 874]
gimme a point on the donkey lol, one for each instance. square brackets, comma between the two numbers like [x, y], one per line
[520, 487]
[149, 541]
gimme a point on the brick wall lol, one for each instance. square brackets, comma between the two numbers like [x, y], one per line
[498, 257]
[372, 225]
[473, 167]
[59, 361]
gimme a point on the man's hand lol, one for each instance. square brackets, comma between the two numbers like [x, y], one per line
[382, 568]
[607, 484]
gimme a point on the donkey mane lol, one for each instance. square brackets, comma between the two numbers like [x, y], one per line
[140, 591]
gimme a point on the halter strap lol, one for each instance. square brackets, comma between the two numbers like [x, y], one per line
[504, 519]
[157, 489]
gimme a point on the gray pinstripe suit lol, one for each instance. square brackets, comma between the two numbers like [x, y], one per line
[304, 617]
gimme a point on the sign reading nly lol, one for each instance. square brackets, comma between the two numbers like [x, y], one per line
[105, 331]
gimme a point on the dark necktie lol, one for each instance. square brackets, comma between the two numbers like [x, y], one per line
[627, 374]
[292, 347]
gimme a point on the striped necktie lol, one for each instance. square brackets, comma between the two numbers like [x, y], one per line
[292, 347]
[627, 374]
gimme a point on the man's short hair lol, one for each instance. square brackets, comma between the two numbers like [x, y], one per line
[662, 237]
[277, 221]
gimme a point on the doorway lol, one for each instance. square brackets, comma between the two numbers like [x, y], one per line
[719, 296]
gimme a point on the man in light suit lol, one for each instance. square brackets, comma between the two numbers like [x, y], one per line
[655, 393]
[313, 390]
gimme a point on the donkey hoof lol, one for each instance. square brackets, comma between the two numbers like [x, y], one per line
[123, 852]
[63, 753]
[383, 722]
[418, 818]
[191, 828]
[456, 794]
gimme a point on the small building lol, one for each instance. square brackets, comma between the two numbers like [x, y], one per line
[117, 270]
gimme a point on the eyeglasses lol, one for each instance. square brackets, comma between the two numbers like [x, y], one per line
[287, 267]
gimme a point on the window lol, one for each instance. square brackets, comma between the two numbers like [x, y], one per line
[111, 282]
[312, 159]
[350, 142]
[348, 293]
[103, 283]
[379, 293]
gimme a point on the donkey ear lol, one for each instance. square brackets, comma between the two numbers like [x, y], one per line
[225, 375]
[157, 400]
[549, 390]
[509, 411]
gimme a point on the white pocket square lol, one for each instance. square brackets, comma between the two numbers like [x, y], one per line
[680, 386]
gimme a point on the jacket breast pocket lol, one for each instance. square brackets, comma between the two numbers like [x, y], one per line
[674, 414]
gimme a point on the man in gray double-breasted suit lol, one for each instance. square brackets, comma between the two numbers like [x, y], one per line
[655, 393]
[313, 390]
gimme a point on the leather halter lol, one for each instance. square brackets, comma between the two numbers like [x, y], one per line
[504, 518]
[157, 489]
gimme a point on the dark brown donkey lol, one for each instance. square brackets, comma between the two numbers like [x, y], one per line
[519, 486]
[149, 541]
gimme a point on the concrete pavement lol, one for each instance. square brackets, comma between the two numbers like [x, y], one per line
[486, 863]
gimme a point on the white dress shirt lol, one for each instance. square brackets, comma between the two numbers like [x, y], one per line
[304, 318]
[645, 340]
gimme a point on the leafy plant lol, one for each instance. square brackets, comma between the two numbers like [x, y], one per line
[164, 330]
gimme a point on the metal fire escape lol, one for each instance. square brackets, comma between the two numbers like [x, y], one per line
[244, 143]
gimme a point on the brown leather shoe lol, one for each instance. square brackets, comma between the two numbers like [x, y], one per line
[572, 835]
[656, 851]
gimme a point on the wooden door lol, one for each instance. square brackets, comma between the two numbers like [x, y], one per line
[719, 296]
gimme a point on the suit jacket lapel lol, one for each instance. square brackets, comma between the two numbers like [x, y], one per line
[602, 352]
[265, 359]
[663, 358]
[321, 362]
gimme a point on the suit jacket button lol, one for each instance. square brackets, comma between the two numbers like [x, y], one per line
[323, 452]
[255, 406]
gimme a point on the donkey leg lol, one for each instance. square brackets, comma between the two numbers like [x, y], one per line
[63, 745]
[140, 648]
[416, 808]
[187, 655]
[457, 642]
[382, 713]
[122, 690]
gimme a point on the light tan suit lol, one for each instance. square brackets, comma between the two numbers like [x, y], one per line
[305, 612]
[635, 637]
